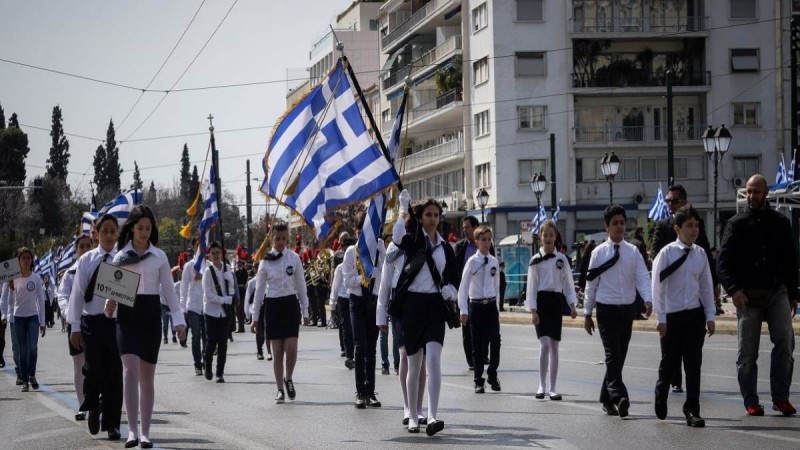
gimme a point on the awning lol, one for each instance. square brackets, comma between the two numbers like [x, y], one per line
[390, 61]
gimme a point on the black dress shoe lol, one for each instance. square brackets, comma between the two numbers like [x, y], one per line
[479, 389]
[290, 389]
[146, 444]
[373, 402]
[413, 429]
[208, 373]
[361, 402]
[405, 420]
[539, 395]
[661, 408]
[609, 409]
[422, 421]
[555, 397]
[495, 385]
[93, 421]
[113, 434]
[132, 444]
[677, 389]
[622, 407]
[80, 415]
[434, 427]
[259, 356]
[220, 380]
[694, 420]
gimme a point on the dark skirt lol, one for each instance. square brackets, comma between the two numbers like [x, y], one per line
[72, 350]
[549, 310]
[282, 317]
[423, 321]
[397, 331]
[139, 328]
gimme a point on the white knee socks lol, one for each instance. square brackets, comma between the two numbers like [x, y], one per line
[433, 364]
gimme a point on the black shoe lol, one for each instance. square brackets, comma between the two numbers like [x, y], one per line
[240, 330]
[360, 402]
[322, 325]
[610, 409]
[343, 354]
[183, 344]
[19, 381]
[146, 444]
[413, 429]
[198, 371]
[132, 443]
[166, 341]
[479, 388]
[80, 415]
[677, 389]
[422, 421]
[279, 397]
[405, 420]
[289, 388]
[622, 407]
[555, 397]
[719, 311]
[113, 434]
[661, 407]
[434, 427]
[694, 420]
[25, 387]
[539, 395]
[34, 383]
[471, 368]
[174, 340]
[385, 370]
[260, 356]
[220, 379]
[373, 402]
[209, 374]
[93, 421]
[269, 356]
[349, 363]
[495, 385]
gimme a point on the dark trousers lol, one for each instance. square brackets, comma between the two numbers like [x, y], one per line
[365, 340]
[166, 321]
[684, 340]
[343, 307]
[466, 338]
[317, 305]
[615, 324]
[49, 313]
[217, 332]
[102, 369]
[197, 326]
[261, 332]
[2, 340]
[484, 321]
[239, 305]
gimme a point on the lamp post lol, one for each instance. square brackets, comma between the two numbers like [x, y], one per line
[716, 143]
[538, 186]
[609, 165]
[483, 199]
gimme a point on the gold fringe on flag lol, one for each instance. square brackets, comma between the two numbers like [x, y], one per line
[192, 211]
[262, 249]
[186, 230]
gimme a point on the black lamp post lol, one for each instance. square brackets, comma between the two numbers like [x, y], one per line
[609, 165]
[483, 200]
[716, 143]
[538, 186]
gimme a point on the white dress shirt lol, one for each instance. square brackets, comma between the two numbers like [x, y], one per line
[423, 282]
[689, 287]
[338, 289]
[249, 294]
[6, 302]
[617, 285]
[192, 286]
[552, 275]
[281, 278]
[27, 299]
[390, 275]
[155, 271]
[65, 289]
[212, 301]
[84, 269]
[480, 280]
[351, 277]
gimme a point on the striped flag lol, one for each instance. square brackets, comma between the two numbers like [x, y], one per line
[538, 219]
[790, 172]
[658, 209]
[44, 265]
[321, 156]
[121, 206]
[210, 214]
[557, 211]
[780, 177]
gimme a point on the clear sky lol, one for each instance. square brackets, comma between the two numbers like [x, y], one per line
[126, 42]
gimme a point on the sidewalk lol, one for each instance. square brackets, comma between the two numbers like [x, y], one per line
[725, 323]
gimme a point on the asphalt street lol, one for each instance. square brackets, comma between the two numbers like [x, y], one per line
[192, 413]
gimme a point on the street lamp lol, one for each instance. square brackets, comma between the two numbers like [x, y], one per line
[716, 143]
[609, 165]
[538, 186]
[483, 199]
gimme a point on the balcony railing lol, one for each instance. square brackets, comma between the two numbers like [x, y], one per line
[606, 135]
[664, 24]
[395, 77]
[412, 21]
[452, 96]
[436, 54]
[639, 78]
[432, 154]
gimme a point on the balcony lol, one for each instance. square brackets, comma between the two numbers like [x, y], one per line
[423, 14]
[435, 105]
[639, 78]
[428, 61]
[663, 24]
[431, 155]
[609, 135]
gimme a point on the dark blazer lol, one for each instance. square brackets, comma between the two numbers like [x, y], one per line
[664, 234]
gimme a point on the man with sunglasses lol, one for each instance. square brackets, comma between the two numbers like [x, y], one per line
[665, 233]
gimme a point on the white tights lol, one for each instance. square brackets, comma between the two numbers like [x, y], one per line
[77, 375]
[433, 365]
[138, 377]
[548, 353]
[403, 376]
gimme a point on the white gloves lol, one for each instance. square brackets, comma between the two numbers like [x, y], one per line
[449, 293]
[405, 200]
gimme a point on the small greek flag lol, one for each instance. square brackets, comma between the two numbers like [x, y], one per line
[780, 177]
[790, 172]
[44, 265]
[557, 211]
[210, 214]
[538, 219]
[659, 209]
[121, 206]
[67, 257]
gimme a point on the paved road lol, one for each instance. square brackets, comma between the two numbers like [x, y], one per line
[191, 412]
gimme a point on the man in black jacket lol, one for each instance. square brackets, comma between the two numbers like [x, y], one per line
[758, 268]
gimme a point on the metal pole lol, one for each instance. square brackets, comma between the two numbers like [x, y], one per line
[716, 174]
[553, 195]
[483, 218]
[610, 192]
[249, 199]
[217, 187]
[670, 148]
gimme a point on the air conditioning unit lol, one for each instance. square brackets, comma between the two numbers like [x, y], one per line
[738, 183]
[457, 201]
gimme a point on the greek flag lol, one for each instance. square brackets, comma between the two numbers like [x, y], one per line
[121, 206]
[394, 140]
[67, 255]
[210, 214]
[538, 219]
[321, 157]
[557, 211]
[790, 172]
[86, 222]
[44, 265]
[780, 177]
[658, 209]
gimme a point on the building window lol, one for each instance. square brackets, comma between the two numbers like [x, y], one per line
[482, 123]
[480, 17]
[386, 115]
[743, 9]
[482, 178]
[529, 10]
[532, 117]
[745, 114]
[529, 64]
[745, 166]
[480, 69]
[744, 60]
[373, 25]
[653, 169]
[529, 167]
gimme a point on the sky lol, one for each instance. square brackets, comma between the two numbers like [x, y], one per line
[125, 42]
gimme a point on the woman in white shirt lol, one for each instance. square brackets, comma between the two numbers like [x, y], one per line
[218, 286]
[28, 311]
[279, 284]
[82, 245]
[139, 327]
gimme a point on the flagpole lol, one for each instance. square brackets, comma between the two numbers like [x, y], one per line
[217, 184]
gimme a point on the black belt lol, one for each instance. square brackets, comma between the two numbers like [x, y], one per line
[483, 301]
[609, 305]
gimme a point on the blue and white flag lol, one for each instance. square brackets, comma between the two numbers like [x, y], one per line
[658, 209]
[790, 171]
[538, 220]
[121, 206]
[87, 220]
[43, 265]
[780, 177]
[557, 211]
[67, 257]
[321, 156]
[394, 140]
[210, 215]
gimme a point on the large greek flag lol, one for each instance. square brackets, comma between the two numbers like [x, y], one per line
[658, 209]
[67, 255]
[321, 156]
[121, 206]
[210, 214]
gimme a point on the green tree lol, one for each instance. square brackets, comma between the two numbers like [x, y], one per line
[2, 118]
[49, 195]
[137, 177]
[13, 122]
[194, 184]
[13, 152]
[185, 176]
[107, 169]
[59, 149]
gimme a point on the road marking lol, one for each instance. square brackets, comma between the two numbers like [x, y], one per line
[766, 435]
[60, 432]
